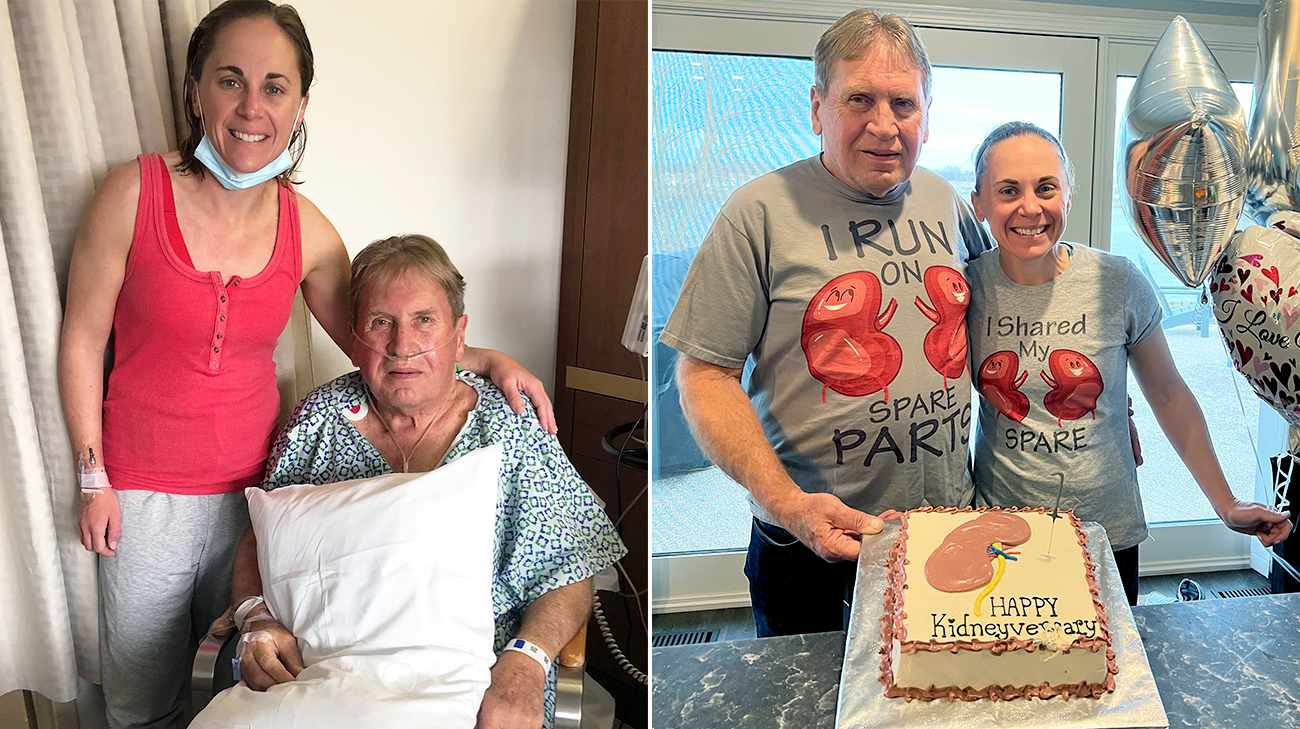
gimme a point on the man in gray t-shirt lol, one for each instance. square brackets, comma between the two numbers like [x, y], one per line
[841, 276]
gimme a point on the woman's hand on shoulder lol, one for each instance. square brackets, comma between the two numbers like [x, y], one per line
[511, 378]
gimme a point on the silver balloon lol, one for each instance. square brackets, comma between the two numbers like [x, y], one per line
[1183, 142]
[1273, 153]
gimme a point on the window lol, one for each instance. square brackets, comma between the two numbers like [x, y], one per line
[1185, 533]
[718, 122]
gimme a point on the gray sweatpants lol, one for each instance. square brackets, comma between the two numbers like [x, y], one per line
[169, 581]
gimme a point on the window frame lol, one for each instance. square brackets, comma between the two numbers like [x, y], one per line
[1089, 48]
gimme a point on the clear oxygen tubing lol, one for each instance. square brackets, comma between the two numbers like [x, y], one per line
[406, 466]
[406, 457]
[400, 357]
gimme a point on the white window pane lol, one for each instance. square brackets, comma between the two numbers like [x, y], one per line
[1169, 494]
[964, 110]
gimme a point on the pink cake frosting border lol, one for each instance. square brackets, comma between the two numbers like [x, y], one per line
[892, 629]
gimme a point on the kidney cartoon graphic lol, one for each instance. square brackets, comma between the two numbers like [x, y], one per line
[999, 384]
[1076, 383]
[945, 343]
[1256, 292]
[843, 338]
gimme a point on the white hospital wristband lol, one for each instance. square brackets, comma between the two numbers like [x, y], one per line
[531, 650]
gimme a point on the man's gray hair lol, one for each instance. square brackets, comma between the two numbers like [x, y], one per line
[856, 34]
[389, 258]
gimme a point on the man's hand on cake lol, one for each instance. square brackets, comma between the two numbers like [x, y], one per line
[1248, 517]
[827, 525]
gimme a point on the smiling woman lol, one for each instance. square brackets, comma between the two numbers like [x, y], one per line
[240, 98]
[1026, 202]
[1088, 316]
[192, 259]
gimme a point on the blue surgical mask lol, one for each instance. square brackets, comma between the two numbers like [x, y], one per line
[231, 179]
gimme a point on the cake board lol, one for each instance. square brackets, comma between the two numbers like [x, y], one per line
[863, 705]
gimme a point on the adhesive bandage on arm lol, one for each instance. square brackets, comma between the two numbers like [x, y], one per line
[241, 614]
[257, 636]
[246, 640]
[93, 477]
[95, 482]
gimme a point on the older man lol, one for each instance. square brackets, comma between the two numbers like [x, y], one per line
[841, 277]
[407, 409]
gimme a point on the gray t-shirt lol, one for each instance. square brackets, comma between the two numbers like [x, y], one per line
[1051, 366]
[852, 310]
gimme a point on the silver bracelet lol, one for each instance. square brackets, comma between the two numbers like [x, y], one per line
[532, 650]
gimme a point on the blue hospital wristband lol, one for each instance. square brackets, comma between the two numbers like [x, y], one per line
[531, 650]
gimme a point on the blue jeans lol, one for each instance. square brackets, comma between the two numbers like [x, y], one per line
[792, 589]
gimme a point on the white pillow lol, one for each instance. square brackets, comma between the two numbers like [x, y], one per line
[383, 564]
[386, 583]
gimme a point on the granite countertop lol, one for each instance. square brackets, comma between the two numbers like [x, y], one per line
[1217, 663]
[1226, 663]
[791, 682]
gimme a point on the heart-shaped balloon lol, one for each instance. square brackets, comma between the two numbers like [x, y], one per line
[1183, 143]
[1257, 304]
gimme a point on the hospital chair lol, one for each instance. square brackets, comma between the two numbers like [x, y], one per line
[580, 702]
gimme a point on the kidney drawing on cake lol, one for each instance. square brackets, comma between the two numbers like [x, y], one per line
[964, 559]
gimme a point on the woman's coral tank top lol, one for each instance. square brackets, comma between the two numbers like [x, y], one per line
[192, 400]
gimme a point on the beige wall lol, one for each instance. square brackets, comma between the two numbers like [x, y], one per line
[449, 119]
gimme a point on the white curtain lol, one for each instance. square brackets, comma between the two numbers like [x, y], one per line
[85, 85]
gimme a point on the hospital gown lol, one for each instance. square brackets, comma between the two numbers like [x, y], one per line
[551, 531]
